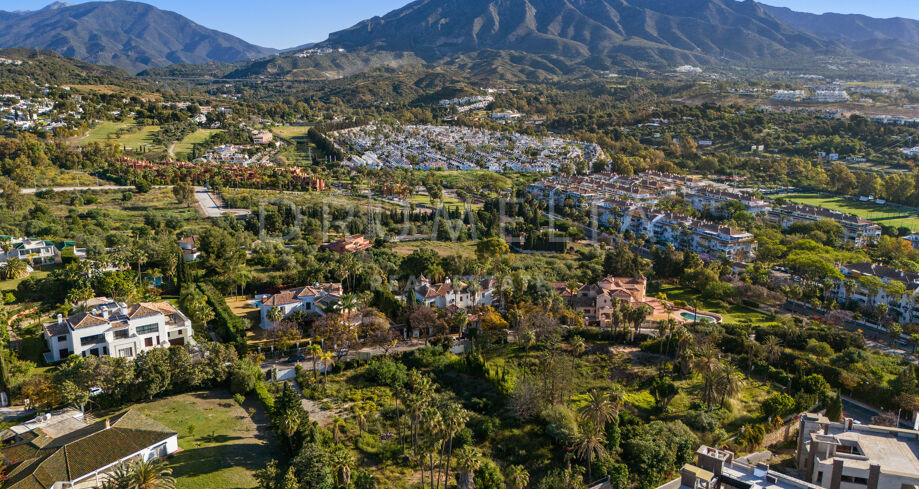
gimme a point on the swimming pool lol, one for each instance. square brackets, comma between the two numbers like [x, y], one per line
[700, 317]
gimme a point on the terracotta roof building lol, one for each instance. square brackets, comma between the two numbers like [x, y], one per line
[311, 299]
[350, 244]
[47, 457]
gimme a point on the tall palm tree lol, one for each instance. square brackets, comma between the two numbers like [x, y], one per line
[599, 409]
[467, 462]
[590, 445]
[314, 351]
[342, 461]
[730, 383]
[328, 360]
[516, 477]
[772, 349]
[289, 422]
[454, 419]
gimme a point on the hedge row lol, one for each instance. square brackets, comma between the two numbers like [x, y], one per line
[230, 327]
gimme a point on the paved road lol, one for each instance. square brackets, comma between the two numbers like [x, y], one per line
[212, 206]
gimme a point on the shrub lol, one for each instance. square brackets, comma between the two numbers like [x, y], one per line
[388, 373]
[702, 421]
[561, 424]
[239, 398]
[778, 405]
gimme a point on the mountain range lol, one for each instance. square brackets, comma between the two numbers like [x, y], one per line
[517, 38]
[130, 35]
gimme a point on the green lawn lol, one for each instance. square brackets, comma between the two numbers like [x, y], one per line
[104, 132]
[221, 445]
[731, 313]
[197, 137]
[8, 285]
[290, 132]
[882, 214]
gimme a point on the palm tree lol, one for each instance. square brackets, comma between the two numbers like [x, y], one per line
[772, 349]
[275, 315]
[599, 409]
[590, 445]
[119, 478]
[328, 360]
[151, 474]
[467, 462]
[289, 422]
[529, 339]
[577, 345]
[454, 420]
[516, 477]
[730, 383]
[314, 351]
[342, 461]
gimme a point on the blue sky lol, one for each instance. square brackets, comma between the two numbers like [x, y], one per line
[288, 23]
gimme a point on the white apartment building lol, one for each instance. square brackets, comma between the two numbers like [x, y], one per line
[311, 299]
[685, 233]
[117, 329]
[713, 200]
[856, 231]
[903, 307]
[847, 455]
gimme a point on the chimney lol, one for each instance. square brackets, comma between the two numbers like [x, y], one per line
[60, 318]
[105, 313]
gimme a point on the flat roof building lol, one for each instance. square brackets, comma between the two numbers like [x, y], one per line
[846, 455]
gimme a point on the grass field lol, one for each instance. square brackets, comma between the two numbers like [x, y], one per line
[290, 132]
[881, 214]
[197, 137]
[221, 445]
[104, 131]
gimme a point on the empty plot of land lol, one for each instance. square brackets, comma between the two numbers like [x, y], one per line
[222, 446]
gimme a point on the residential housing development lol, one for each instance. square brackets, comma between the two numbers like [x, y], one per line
[61, 450]
[461, 148]
[625, 202]
[685, 233]
[107, 328]
[856, 231]
[870, 284]
[312, 299]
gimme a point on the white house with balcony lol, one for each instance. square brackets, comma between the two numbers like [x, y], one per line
[312, 299]
[117, 329]
[462, 293]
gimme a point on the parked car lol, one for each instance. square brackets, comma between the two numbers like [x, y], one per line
[296, 358]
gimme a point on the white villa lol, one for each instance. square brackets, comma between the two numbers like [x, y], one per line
[60, 450]
[117, 329]
[459, 294]
[310, 299]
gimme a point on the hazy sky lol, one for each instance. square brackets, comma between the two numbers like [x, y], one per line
[289, 23]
